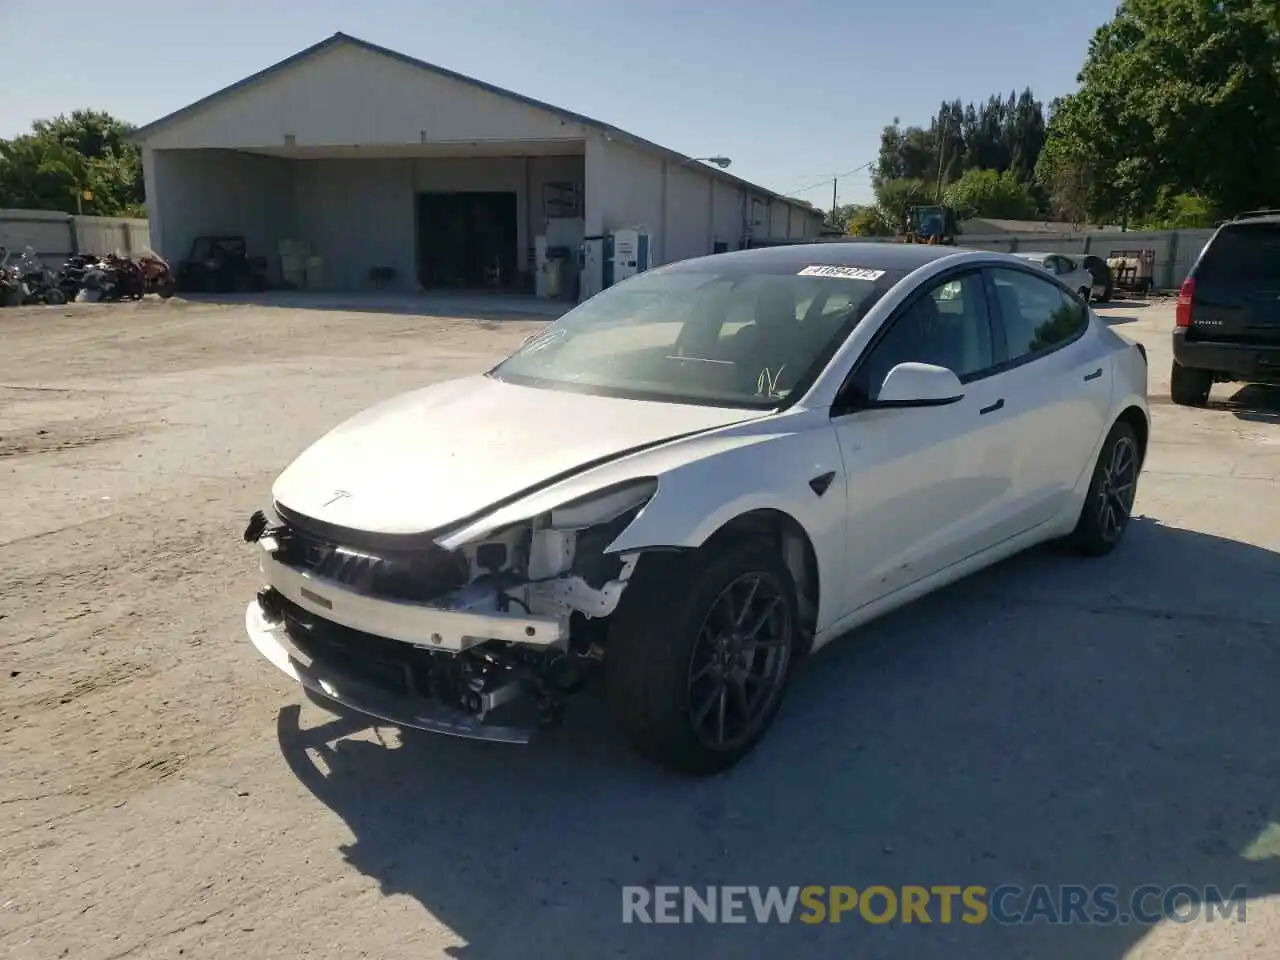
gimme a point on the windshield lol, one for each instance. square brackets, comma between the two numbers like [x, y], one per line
[717, 336]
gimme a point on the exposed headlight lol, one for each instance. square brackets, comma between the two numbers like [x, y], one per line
[603, 505]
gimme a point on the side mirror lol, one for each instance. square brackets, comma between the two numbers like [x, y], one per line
[919, 385]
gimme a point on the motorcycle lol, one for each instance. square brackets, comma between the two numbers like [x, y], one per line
[157, 277]
[12, 290]
[130, 282]
[41, 283]
[98, 283]
[71, 276]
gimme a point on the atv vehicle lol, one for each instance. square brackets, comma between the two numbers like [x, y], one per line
[221, 264]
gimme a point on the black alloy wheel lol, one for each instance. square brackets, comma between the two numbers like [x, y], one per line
[1116, 489]
[739, 663]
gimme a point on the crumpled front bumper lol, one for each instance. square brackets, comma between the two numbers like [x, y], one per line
[272, 639]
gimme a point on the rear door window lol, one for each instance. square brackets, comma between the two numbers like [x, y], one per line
[1243, 253]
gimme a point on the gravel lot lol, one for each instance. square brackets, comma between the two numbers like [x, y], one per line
[164, 792]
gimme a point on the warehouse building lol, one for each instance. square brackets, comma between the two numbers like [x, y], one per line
[350, 165]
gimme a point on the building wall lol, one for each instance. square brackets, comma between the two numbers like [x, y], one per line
[197, 192]
[729, 214]
[688, 215]
[356, 214]
[359, 214]
[348, 95]
[630, 193]
[683, 206]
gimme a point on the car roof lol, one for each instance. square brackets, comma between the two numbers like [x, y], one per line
[1254, 216]
[1037, 256]
[903, 257]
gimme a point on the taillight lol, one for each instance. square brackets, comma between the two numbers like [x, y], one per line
[1185, 295]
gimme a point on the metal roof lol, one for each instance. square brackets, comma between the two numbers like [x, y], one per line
[339, 38]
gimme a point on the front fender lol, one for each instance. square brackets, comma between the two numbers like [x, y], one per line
[770, 471]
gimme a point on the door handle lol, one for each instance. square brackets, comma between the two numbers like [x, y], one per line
[1095, 375]
[998, 405]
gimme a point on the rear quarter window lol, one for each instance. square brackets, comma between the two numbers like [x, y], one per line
[1243, 253]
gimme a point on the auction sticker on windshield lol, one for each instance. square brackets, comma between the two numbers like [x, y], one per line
[844, 273]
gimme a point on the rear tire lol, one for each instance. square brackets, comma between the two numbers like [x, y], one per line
[1108, 506]
[677, 673]
[55, 297]
[1189, 387]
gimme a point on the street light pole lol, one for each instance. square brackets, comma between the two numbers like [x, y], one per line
[721, 162]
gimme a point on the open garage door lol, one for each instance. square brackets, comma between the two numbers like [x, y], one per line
[467, 240]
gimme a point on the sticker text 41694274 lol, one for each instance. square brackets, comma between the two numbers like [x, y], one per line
[842, 273]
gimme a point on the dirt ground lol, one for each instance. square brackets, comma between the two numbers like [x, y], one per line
[165, 792]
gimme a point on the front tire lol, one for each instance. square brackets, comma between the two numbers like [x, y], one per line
[700, 654]
[1108, 506]
[1189, 387]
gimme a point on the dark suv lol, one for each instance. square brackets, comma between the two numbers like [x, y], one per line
[1228, 319]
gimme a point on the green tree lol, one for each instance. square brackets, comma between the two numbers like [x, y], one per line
[78, 163]
[1002, 134]
[1179, 211]
[986, 193]
[868, 221]
[1175, 97]
[895, 197]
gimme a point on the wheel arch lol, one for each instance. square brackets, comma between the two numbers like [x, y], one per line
[1136, 418]
[796, 549]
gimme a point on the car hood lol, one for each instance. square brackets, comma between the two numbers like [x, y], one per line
[430, 458]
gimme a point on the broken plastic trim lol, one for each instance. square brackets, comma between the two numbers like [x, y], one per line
[582, 513]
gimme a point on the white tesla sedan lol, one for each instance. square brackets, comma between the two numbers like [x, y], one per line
[690, 483]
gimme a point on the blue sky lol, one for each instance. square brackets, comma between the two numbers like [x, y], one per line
[794, 92]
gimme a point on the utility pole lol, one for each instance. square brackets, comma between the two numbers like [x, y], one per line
[942, 150]
[835, 181]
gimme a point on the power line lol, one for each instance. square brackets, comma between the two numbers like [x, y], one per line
[826, 180]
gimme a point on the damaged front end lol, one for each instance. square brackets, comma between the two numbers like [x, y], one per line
[485, 640]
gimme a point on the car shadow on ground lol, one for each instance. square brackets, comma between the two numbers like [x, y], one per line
[1255, 402]
[1124, 304]
[1049, 720]
[464, 305]
[1113, 320]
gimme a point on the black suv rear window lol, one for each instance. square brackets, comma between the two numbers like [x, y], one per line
[1243, 253]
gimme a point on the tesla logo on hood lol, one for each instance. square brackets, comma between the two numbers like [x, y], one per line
[337, 495]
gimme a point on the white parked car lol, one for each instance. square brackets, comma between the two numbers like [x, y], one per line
[1066, 268]
[689, 484]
